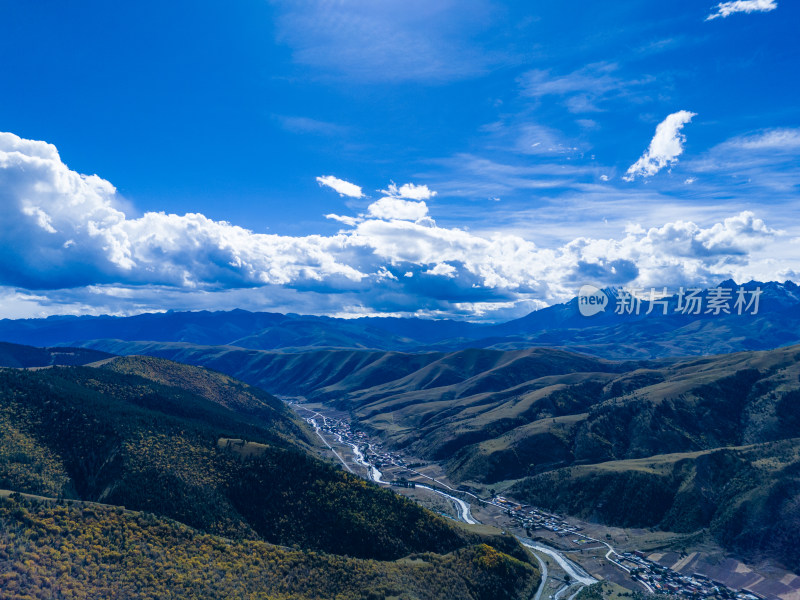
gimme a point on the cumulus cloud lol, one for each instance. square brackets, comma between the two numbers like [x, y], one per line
[725, 9]
[665, 147]
[442, 269]
[733, 237]
[409, 191]
[69, 233]
[397, 208]
[66, 229]
[344, 188]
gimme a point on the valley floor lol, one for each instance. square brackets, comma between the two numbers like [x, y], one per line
[572, 553]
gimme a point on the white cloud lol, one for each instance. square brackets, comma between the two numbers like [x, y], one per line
[42, 219]
[349, 221]
[68, 233]
[689, 180]
[584, 89]
[344, 188]
[734, 236]
[397, 208]
[477, 177]
[766, 162]
[665, 147]
[442, 269]
[603, 177]
[64, 229]
[596, 78]
[533, 138]
[781, 139]
[409, 191]
[725, 9]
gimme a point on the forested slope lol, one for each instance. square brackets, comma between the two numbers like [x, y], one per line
[145, 434]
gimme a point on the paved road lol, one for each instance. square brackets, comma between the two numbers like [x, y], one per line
[575, 594]
[463, 508]
[575, 571]
[620, 565]
[561, 590]
[543, 570]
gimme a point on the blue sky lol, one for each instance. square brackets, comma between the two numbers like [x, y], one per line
[465, 159]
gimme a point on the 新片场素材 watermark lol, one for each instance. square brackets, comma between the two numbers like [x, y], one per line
[686, 301]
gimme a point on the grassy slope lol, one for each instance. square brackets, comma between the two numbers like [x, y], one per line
[110, 435]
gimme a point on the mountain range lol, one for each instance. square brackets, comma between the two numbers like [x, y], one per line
[607, 334]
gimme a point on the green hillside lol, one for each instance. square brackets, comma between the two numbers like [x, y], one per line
[15, 355]
[144, 434]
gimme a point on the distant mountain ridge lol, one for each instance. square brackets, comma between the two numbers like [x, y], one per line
[14, 355]
[607, 334]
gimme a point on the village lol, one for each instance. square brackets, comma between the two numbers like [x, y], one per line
[652, 576]
[655, 578]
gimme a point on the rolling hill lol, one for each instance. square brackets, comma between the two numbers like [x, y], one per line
[150, 435]
[545, 420]
[15, 355]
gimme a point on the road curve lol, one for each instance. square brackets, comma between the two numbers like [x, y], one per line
[463, 508]
[575, 571]
[543, 569]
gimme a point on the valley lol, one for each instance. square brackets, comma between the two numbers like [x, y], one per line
[400, 300]
[705, 449]
[583, 559]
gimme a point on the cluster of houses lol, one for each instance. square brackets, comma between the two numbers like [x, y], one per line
[341, 429]
[372, 453]
[666, 581]
[531, 518]
[656, 577]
